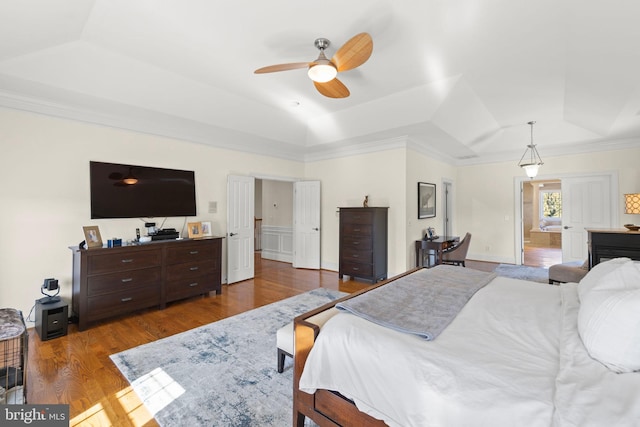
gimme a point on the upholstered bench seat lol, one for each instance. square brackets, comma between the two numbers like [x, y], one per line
[285, 336]
[572, 271]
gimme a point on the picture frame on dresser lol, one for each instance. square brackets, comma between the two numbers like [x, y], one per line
[194, 229]
[426, 200]
[92, 236]
[205, 227]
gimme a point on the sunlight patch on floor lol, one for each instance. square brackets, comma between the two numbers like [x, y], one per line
[94, 416]
[157, 389]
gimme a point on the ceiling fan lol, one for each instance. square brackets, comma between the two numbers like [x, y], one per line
[323, 71]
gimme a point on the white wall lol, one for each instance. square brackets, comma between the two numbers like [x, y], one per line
[44, 195]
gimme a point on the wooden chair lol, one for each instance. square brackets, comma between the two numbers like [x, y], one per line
[457, 254]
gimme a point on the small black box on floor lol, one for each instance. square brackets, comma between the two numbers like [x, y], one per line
[51, 319]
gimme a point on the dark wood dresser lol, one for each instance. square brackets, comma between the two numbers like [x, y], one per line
[363, 243]
[108, 282]
[612, 243]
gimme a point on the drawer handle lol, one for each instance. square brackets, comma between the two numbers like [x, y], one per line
[194, 268]
[193, 253]
[356, 230]
[355, 269]
[126, 299]
[127, 260]
[355, 256]
[193, 284]
[55, 322]
[128, 279]
[356, 243]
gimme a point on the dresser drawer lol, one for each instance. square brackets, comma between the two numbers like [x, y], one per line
[356, 269]
[350, 254]
[110, 305]
[123, 280]
[178, 289]
[190, 269]
[192, 252]
[357, 242]
[356, 229]
[357, 217]
[123, 260]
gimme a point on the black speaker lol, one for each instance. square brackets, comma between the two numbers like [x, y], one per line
[51, 319]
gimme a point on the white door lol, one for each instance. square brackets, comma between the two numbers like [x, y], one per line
[586, 203]
[306, 224]
[240, 217]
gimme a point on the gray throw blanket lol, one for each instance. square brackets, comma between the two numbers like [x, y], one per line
[422, 303]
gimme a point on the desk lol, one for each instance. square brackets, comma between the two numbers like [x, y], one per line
[438, 245]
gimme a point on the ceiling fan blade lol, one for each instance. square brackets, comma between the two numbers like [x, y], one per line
[282, 67]
[332, 89]
[353, 53]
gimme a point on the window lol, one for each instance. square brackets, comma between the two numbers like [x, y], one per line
[550, 204]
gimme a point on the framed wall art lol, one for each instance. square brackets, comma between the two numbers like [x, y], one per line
[426, 200]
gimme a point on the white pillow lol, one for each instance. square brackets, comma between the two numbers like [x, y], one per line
[609, 319]
[597, 272]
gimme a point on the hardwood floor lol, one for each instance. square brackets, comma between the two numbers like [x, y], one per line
[539, 256]
[76, 369]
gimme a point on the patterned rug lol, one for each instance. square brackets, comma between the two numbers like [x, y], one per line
[223, 373]
[524, 272]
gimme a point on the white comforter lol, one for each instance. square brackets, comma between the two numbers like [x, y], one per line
[512, 357]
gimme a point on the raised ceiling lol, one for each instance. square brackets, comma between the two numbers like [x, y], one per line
[458, 79]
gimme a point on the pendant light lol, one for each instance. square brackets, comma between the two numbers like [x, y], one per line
[530, 160]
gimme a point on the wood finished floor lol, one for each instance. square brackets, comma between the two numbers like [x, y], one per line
[76, 369]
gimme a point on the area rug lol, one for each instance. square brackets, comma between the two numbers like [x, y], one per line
[223, 373]
[524, 272]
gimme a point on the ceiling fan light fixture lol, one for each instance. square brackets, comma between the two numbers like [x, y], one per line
[531, 163]
[322, 71]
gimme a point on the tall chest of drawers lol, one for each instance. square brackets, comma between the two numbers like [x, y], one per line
[363, 243]
[108, 282]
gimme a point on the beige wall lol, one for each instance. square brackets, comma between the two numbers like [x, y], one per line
[277, 203]
[485, 197]
[346, 181]
[421, 168]
[44, 170]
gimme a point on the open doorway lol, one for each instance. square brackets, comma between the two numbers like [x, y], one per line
[542, 222]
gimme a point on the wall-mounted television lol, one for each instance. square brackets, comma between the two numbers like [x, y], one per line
[131, 191]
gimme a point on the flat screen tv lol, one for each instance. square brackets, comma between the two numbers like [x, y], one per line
[130, 191]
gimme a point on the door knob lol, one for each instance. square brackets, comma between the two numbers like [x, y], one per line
[232, 234]
[316, 229]
[566, 227]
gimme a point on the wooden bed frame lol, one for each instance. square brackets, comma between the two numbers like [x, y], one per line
[324, 407]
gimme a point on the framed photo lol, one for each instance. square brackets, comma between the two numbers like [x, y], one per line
[92, 236]
[206, 228]
[195, 230]
[426, 200]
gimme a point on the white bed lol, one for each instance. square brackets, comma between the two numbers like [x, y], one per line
[512, 357]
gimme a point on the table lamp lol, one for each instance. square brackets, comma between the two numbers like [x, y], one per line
[632, 206]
